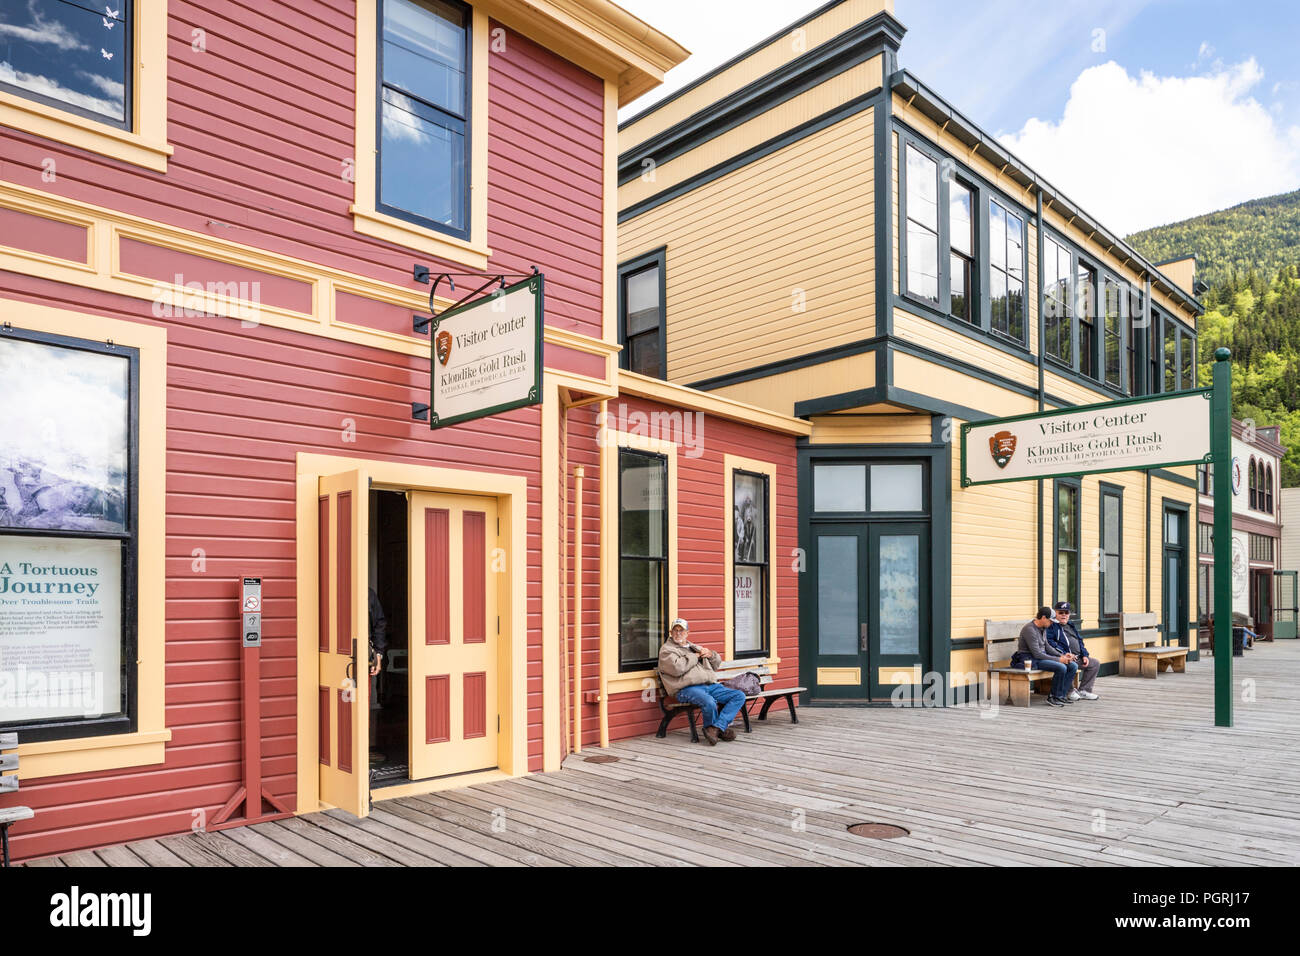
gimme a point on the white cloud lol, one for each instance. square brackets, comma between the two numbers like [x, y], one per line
[1147, 150]
[43, 31]
[48, 86]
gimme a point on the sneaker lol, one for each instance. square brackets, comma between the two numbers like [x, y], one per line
[1055, 702]
[1088, 695]
[711, 736]
[1074, 695]
[727, 734]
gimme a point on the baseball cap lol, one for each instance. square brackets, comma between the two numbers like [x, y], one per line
[1064, 606]
[679, 622]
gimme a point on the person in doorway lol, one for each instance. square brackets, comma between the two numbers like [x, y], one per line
[1065, 637]
[378, 634]
[1033, 644]
[689, 673]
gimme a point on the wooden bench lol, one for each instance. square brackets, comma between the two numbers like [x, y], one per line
[671, 706]
[1001, 640]
[1143, 655]
[8, 784]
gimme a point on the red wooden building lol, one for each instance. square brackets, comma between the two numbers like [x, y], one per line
[208, 252]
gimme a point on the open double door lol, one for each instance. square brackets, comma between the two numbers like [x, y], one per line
[455, 566]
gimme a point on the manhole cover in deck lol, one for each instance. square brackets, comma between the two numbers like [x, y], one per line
[877, 831]
[600, 758]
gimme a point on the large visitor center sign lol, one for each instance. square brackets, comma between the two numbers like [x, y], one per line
[1183, 428]
[1115, 436]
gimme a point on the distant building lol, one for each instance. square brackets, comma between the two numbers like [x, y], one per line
[1256, 530]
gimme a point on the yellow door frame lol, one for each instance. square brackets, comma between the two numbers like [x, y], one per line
[511, 494]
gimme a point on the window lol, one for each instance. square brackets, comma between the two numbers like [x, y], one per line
[961, 256]
[1254, 484]
[1260, 547]
[1056, 289]
[1204, 537]
[424, 104]
[1154, 351]
[1085, 304]
[1171, 357]
[74, 73]
[1066, 584]
[76, 58]
[1112, 534]
[1186, 366]
[1136, 386]
[1112, 335]
[1205, 479]
[922, 224]
[643, 557]
[1268, 488]
[68, 537]
[1205, 593]
[1006, 272]
[750, 564]
[642, 326]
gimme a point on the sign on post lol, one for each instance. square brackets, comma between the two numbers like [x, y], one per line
[487, 355]
[1114, 436]
[251, 611]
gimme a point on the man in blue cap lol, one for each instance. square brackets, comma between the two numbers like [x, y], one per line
[1065, 637]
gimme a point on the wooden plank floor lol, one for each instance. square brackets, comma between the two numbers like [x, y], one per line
[1140, 777]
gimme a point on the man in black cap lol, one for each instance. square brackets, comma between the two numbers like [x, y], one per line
[1065, 637]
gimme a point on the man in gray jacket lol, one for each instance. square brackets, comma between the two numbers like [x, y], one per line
[688, 673]
[1033, 642]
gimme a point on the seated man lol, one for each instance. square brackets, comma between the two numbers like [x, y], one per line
[688, 674]
[1034, 643]
[1065, 637]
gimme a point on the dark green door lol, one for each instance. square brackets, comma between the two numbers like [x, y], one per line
[1174, 617]
[1287, 610]
[839, 567]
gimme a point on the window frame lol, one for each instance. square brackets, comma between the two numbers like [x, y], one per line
[142, 140]
[948, 169]
[734, 468]
[1076, 486]
[1253, 482]
[466, 124]
[1107, 490]
[654, 258]
[1024, 270]
[666, 589]
[1102, 277]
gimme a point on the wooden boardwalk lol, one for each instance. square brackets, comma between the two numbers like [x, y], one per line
[1140, 777]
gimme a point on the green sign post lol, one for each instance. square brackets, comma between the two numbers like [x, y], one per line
[1221, 449]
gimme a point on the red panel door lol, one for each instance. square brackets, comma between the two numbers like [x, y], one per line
[344, 641]
[456, 567]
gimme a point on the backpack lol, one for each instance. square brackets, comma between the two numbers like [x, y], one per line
[747, 682]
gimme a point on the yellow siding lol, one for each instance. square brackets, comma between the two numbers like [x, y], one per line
[780, 51]
[917, 375]
[780, 392]
[935, 336]
[869, 429]
[775, 122]
[743, 249]
[1073, 391]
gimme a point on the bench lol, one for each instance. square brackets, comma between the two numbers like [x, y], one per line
[1001, 640]
[9, 783]
[1142, 654]
[671, 707]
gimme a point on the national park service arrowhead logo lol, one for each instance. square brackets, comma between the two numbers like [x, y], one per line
[1002, 446]
[443, 345]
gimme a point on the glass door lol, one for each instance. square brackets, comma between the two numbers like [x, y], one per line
[1287, 609]
[900, 607]
[839, 568]
[1174, 589]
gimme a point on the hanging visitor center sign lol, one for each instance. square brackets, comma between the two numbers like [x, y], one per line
[487, 355]
[1115, 436]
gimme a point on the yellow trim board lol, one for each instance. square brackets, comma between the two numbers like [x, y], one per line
[730, 465]
[511, 492]
[839, 676]
[145, 144]
[642, 386]
[146, 745]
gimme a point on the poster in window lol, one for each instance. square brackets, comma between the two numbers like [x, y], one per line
[750, 519]
[748, 594]
[60, 628]
[63, 462]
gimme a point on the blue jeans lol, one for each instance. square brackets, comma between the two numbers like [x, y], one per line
[709, 697]
[1063, 675]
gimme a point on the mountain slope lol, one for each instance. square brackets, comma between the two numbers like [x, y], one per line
[1263, 234]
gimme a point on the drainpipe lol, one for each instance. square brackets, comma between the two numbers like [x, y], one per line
[608, 487]
[578, 476]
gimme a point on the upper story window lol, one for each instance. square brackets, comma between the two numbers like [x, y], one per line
[1268, 489]
[641, 318]
[961, 255]
[1254, 484]
[75, 58]
[922, 225]
[1135, 319]
[1112, 335]
[1059, 314]
[424, 106]
[1006, 271]
[1177, 345]
[1085, 286]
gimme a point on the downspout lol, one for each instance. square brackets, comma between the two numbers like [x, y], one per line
[607, 488]
[1042, 350]
[579, 475]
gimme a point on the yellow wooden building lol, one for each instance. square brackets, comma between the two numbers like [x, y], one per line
[810, 229]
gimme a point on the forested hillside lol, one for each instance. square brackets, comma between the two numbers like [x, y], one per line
[1250, 256]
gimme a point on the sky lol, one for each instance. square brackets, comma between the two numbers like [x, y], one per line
[1144, 112]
